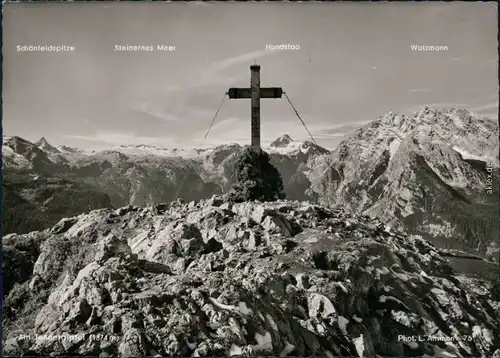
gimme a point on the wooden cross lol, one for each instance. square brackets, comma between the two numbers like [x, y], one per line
[255, 92]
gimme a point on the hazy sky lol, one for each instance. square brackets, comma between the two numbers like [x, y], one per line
[354, 64]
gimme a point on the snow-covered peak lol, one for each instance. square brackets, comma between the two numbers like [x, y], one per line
[44, 145]
[65, 148]
[42, 142]
[451, 115]
[284, 141]
[452, 126]
[308, 147]
[14, 140]
[297, 148]
[19, 145]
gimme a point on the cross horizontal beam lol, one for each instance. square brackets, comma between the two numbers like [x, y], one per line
[267, 92]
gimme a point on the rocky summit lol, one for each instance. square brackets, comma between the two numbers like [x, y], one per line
[216, 278]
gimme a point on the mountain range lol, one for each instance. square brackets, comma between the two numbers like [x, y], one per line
[433, 173]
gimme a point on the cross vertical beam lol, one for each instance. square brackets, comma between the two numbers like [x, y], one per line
[255, 89]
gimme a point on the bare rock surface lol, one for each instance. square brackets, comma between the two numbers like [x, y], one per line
[215, 278]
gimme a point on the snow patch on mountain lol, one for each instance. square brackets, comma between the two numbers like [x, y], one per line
[457, 121]
[148, 150]
[393, 146]
[284, 150]
[14, 160]
[467, 155]
[45, 146]
[288, 147]
[281, 142]
[444, 229]
[457, 180]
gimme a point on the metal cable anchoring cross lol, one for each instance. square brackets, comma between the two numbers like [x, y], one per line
[329, 165]
[181, 184]
[298, 115]
[216, 114]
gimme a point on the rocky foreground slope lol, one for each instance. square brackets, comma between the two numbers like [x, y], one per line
[213, 278]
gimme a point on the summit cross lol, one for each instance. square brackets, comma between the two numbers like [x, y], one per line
[255, 93]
